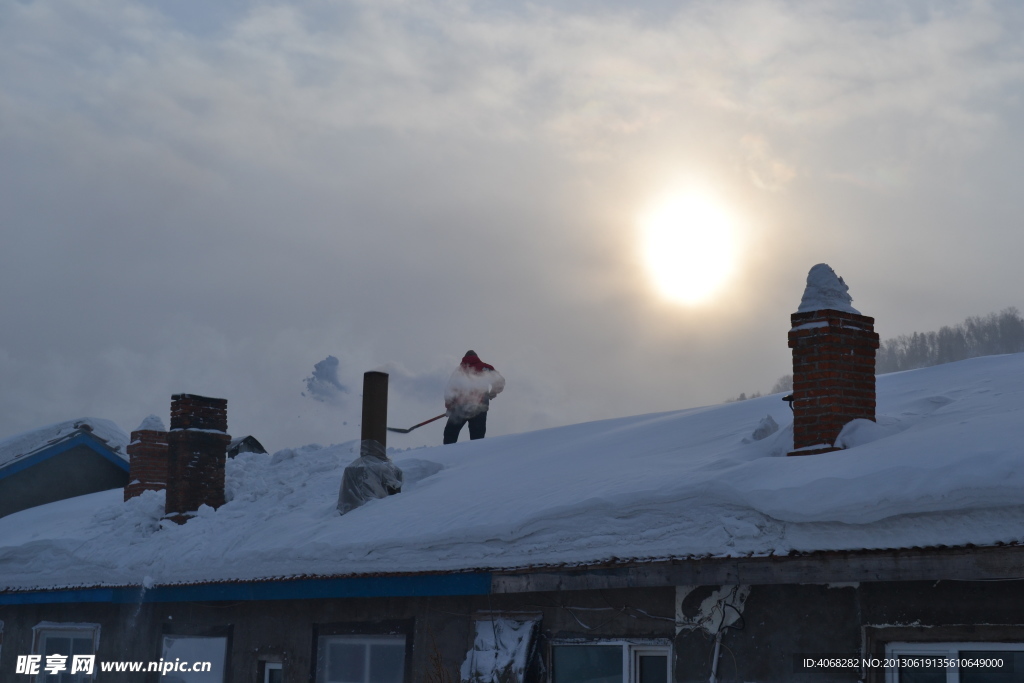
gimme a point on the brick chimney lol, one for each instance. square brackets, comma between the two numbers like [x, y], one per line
[147, 456]
[197, 449]
[833, 363]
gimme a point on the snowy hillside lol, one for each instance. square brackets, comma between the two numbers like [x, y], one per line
[944, 465]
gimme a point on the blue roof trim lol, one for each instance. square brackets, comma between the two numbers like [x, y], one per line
[421, 585]
[80, 439]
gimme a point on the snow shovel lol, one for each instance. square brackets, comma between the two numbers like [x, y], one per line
[425, 422]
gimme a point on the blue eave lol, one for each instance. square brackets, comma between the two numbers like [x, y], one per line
[79, 439]
[418, 585]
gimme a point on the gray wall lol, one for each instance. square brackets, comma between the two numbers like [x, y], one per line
[75, 472]
[779, 621]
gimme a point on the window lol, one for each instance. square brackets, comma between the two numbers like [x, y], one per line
[503, 645]
[361, 659]
[63, 642]
[273, 672]
[203, 659]
[1000, 662]
[611, 662]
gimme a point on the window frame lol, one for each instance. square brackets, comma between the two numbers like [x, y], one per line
[48, 629]
[632, 649]
[397, 628]
[950, 649]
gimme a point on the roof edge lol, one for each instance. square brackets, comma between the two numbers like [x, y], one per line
[966, 563]
[475, 583]
[962, 563]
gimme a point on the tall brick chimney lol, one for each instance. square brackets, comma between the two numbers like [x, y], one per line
[833, 363]
[147, 458]
[197, 450]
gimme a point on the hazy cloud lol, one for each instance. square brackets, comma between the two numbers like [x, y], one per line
[423, 386]
[765, 170]
[189, 193]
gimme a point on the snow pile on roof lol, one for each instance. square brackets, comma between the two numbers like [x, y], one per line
[943, 466]
[21, 445]
[826, 290]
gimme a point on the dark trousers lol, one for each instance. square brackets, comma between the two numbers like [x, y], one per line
[477, 427]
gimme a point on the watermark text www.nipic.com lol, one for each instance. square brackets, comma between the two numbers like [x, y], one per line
[86, 664]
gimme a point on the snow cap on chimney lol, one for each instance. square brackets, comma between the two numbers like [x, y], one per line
[152, 423]
[826, 290]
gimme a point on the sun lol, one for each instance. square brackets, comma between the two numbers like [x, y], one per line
[689, 247]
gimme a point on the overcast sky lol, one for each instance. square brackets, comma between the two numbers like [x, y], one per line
[213, 197]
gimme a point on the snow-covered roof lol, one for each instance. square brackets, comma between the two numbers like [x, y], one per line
[29, 443]
[942, 466]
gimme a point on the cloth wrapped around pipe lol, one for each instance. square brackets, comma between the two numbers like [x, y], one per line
[371, 475]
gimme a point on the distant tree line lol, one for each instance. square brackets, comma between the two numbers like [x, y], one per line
[979, 335]
[784, 383]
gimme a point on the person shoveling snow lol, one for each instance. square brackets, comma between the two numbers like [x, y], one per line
[468, 396]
